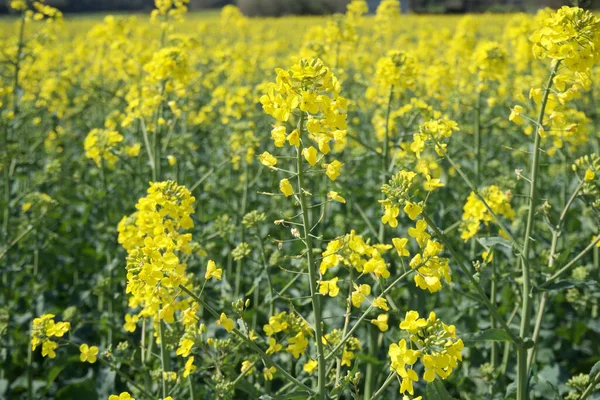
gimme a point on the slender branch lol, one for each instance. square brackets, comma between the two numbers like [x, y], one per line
[478, 288]
[267, 359]
[363, 317]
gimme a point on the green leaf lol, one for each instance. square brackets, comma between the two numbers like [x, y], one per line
[595, 370]
[568, 284]
[489, 242]
[489, 335]
[436, 391]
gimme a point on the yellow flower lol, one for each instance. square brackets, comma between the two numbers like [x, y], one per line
[412, 210]
[419, 232]
[310, 366]
[172, 160]
[515, 115]
[359, 294]
[399, 245]
[294, 138]
[274, 347]
[122, 396]
[310, 154]
[227, 323]
[267, 159]
[333, 169]
[131, 322]
[268, 373]
[48, 348]
[278, 135]
[390, 214]
[286, 187]
[329, 287]
[412, 322]
[247, 367]
[336, 197]
[409, 377]
[212, 271]
[297, 345]
[89, 354]
[381, 322]
[185, 347]
[432, 184]
[381, 303]
[589, 175]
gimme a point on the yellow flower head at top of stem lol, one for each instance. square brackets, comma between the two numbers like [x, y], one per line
[154, 238]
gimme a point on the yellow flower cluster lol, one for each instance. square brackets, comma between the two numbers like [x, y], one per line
[100, 145]
[169, 8]
[489, 61]
[397, 69]
[429, 266]
[431, 341]
[37, 10]
[353, 252]
[310, 88]
[349, 348]
[435, 131]
[153, 239]
[475, 211]
[290, 326]
[43, 329]
[570, 35]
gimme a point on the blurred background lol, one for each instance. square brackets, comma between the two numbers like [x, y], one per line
[306, 7]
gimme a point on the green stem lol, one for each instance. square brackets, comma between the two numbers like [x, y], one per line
[478, 139]
[364, 316]
[493, 289]
[522, 372]
[571, 263]
[192, 389]
[263, 257]
[373, 332]
[556, 232]
[591, 387]
[387, 383]
[312, 268]
[385, 156]
[163, 358]
[244, 201]
[346, 324]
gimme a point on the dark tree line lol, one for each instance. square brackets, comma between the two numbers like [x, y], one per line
[287, 7]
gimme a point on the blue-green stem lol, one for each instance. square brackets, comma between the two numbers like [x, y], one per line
[522, 370]
[312, 268]
[373, 332]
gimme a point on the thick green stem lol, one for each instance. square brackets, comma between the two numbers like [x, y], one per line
[312, 268]
[263, 256]
[387, 383]
[372, 332]
[163, 358]
[243, 205]
[544, 297]
[522, 371]
[494, 324]
[346, 324]
[591, 387]
[477, 134]
[385, 156]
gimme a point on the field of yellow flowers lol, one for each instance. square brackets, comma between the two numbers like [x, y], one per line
[357, 206]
